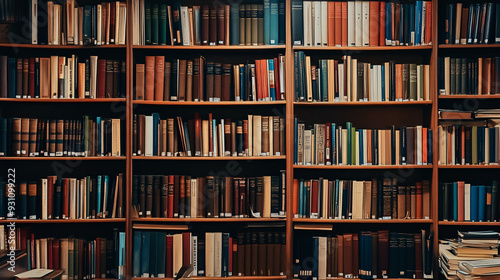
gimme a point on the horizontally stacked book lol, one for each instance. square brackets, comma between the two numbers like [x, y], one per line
[332, 144]
[201, 80]
[179, 196]
[62, 77]
[25, 137]
[347, 199]
[259, 23]
[174, 137]
[457, 256]
[361, 23]
[349, 79]
[160, 254]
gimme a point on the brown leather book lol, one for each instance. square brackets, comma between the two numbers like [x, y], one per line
[413, 198]
[102, 77]
[277, 254]
[260, 24]
[401, 202]
[331, 23]
[25, 77]
[394, 199]
[167, 80]
[164, 149]
[338, 23]
[202, 193]
[205, 24]
[262, 255]
[46, 77]
[150, 78]
[149, 196]
[407, 200]
[227, 16]
[226, 82]
[170, 136]
[426, 199]
[463, 33]
[33, 131]
[233, 139]
[182, 79]
[265, 135]
[59, 138]
[374, 23]
[373, 272]
[182, 197]
[159, 78]
[418, 256]
[233, 243]
[19, 78]
[220, 24]
[212, 38]
[164, 197]
[254, 255]
[333, 262]
[282, 137]
[116, 77]
[348, 255]
[247, 253]
[3, 77]
[189, 81]
[217, 82]
[383, 253]
[276, 134]
[210, 81]
[340, 255]
[228, 207]
[254, 24]
[196, 80]
[157, 188]
[240, 265]
[344, 23]
[355, 255]
[387, 198]
[269, 254]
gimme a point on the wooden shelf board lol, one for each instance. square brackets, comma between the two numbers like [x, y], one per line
[364, 221]
[63, 158]
[369, 103]
[468, 166]
[450, 223]
[206, 103]
[221, 278]
[469, 96]
[410, 166]
[69, 47]
[368, 48]
[63, 100]
[207, 220]
[468, 46]
[209, 158]
[65, 221]
[232, 47]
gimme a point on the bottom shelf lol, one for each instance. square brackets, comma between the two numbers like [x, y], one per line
[215, 278]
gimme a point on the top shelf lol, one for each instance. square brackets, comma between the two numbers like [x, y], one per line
[68, 47]
[221, 47]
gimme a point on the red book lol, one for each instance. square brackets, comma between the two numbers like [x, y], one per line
[424, 145]
[264, 71]
[101, 78]
[33, 256]
[245, 134]
[348, 254]
[51, 180]
[258, 83]
[374, 23]
[461, 191]
[65, 209]
[428, 22]
[344, 23]
[420, 214]
[186, 248]
[56, 253]
[31, 77]
[211, 138]
[170, 252]
[197, 134]
[382, 25]
[230, 268]
[338, 23]
[171, 196]
[327, 143]
[314, 196]
[236, 197]
[295, 193]
[80, 257]
[50, 261]
[331, 23]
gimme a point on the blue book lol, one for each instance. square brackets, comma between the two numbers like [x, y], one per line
[235, 24]
[348, 125]
[272, 90]
[295, 136]
[106, 195]
[267, 22]
[87, 25]
[301, 196]
[242, 83]
[383, 82]
[474, 197]
[388, 17]
[411, 10]
[186, 135]
[481, 203]
[99, 191]
[160, 257]
[153, 253]
[361, 159]
[281, 23]
[225, 254]
[418, 22]
[274, 26]
[94, 25]
[11, 66]
[136, 264]
[455, 201]
[121, 255]
[156, 122]
[145, 253]
[333, 147]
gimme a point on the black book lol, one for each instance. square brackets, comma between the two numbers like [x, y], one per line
[142, 196]
[494, 201]
[174, 79]
[402, 255]
[410, 256]
[135, 190]
[429, 146]
[297, 22]
[470, 24]
[275, 195]
[445, 191]
[441, 73]
[463, 88]
[477, 19]
[360, 79]
[157, 195]
[450, 17]
[393, 255]
[392, 83]
[281, 22]
[201, 256]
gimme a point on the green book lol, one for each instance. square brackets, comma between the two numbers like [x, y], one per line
[162, 14]
[235, 24]
[147, 19]
[154, 24]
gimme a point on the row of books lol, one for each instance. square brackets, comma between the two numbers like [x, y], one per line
[469, 76]
[101, 196]
[198, 80]
[472, 23]
[158, 254]
[366, 255]
[332, 144]
[25, 137]
[468, 144]
[179, 196]
[350, 199]
[361, 23]
[256, 136]
[61, 77]
[79, 258]
[52, 23]
[10, 11]
[236, 24]
[351, 80]
[461, 201]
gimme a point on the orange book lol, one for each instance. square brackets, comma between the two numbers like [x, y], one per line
[374, 22]
[258, 83]
[159, 77]
[461, 191]
[331, 23]
[382, 24]
[344, 23]
[419, 201]
[486, 76]
[150, 78]
[295, 196]
[369, 146]
[338, 23]
[264, 71]
[399, 81]
[424, 145]
[428, 22]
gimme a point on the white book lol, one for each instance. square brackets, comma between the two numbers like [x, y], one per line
[317, 22]
[218, 254]
[93, 76]
[357, 200]
[185, 27]
[308, 27]
[366, 22]
[466, 202]
[56, 24]
[194, 255]
[194, 199]
[351, 23]
[54, 75]
[148, 132]
[118, 21]
[99, 24]
[34, 25]
[358, 31]
[419, 144]
[209, 254]
[45, 200]
[177, 253]
[324, 23]
[122, 30]
[322, 257]
[307, 147]
[271, 136]
[422, 20]
[136, 23]
[76, 27]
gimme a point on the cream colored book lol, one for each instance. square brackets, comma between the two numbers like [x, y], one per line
[93, 76]
[217, 254]
[99, 24]
[54, 76]
[122, 28]
[115, 144]
[308, 79]
[357, 200]
[257, 135]
[209, 254]
[267, 197]
[177, 253]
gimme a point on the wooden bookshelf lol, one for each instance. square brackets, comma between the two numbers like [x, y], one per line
[489, 166]
[471, 96]
[64, 100]
[368, 103]
[63, 158]
[478, 224]
[367, 167]
[206, 103]
[222, 278]
[363, 221]
[208, 220]
[206, 48]
[366, 48]
[64, 221]
[469, 46]
[61, 47]
[209, 158]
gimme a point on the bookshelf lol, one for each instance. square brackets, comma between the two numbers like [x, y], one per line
[426, 113]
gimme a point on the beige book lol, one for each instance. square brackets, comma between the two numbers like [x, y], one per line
[122, 27]
[50, 22]
[56, 33]
[118, 22]
[250, 135]
[257, 135]
[116, 144]
[427, 83]
[99, 24]
[177, 256]
[43, 253]
[308, 79]
[191, 26]
[72, 198]
[387, 82]
[267, 197]
[80, 25]
[54, 76]
[45, 81]
[348, 74]
[357, 200]
[194, 198]
[45, 199]
[217, 254]
[331, 79]
[322, 255]
[70, 8]
[76, 28]
[271, 135]
[344, 146]
[447, 75]
[81, 80]
[209, 254]
[205, 137]
[354, 80]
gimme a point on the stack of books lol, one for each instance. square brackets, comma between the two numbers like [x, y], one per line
[469, 246]
[480, 269]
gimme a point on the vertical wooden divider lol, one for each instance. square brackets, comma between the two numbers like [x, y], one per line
[128, 149]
